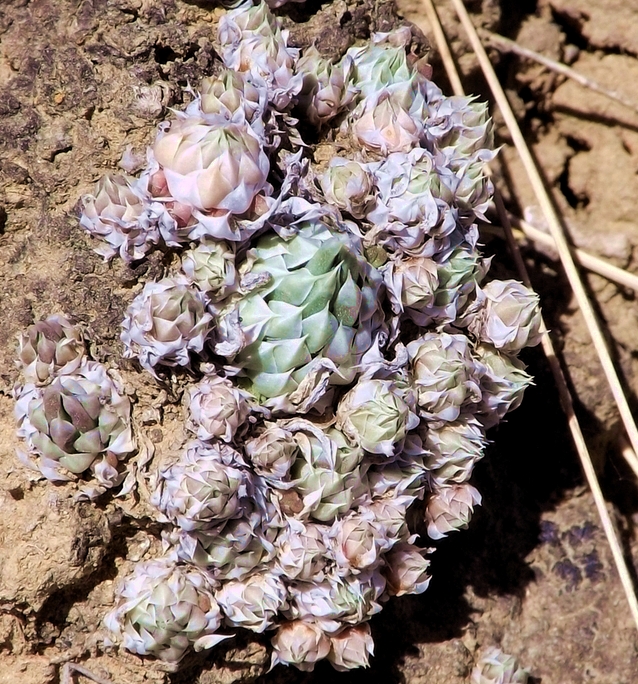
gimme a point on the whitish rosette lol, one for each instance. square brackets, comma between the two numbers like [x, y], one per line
[496, 667]
[119, 214]
[406, 570]
[272, 454]
[254, 602]
[379, 65]
[503, 382]
[458, 277]
[454, 449]
[229, 97]
[299, 643]
[77, 422]
[400, 478]
[209, 484]
[460, 128]
[216, 408]
[389, 120]
[301, 550]
[411, 284]
[163, 609]
[377, 415]
[217, 170]
[351, 648]
[450, 509]
[505, 314]
[414, 213]
[337, 601]
[211, 267]
[390, 513]
[314, 311]
[325, 90]
[50, 347]
[164, 323]
[358, 542]
[231, 551]
[445, 376]
[327, 473]
[348, 185]
[252, 41]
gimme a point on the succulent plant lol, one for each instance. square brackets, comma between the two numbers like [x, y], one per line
[460, 128]
[454, 449]
[252, 41]
[348, 185]
[337, 601]
[377, 415]
[165, 322]
[272, 453]
[299, 643]
[322, 408]
[120, 216]
[357, 543]
[411, 285]
[316, 309]
[216, 408]
[496, 667]
[163, 609]
[458, 278]
[230, 97]
[506, 315]
[406, 571]
[77, 422]
[253, 602]
[211, 267]
[233, 550]
[327, 474]
[351, 648]
[216, 170]
[450, 508]
[301, 550]
[384, 121]
[503, 380]
[444, 375]
[48, 348]
[325, 90]
[207, 485]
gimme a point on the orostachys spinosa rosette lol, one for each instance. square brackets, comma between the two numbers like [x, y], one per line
[339, 345]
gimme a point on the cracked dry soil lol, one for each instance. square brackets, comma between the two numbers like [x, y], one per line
[80, 80]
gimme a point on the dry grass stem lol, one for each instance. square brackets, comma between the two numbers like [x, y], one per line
[592, 263]
[444, 50]
[506, 45]
[548, 348]
[555, 227]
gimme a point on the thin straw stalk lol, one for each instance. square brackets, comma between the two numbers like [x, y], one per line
[585, 259]
[548, 348]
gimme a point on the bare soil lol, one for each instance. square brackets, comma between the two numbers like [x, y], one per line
[80, 80]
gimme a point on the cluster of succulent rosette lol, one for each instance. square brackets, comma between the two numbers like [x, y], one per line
[346, 356]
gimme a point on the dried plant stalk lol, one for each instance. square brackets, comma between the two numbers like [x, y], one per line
[577, 286]
[506, 45]
[585, 259]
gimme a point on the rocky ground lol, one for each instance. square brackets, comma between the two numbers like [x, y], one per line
[80, 80]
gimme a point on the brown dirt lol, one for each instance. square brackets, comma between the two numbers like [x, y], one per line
[82, 79]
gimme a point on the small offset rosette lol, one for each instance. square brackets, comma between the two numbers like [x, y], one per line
[121, 215]
[217, 409]
[48, 348]
[377, 415]
[163, 609]
[505, 314]
[165, 323]
[78, 422]
[208, 485]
